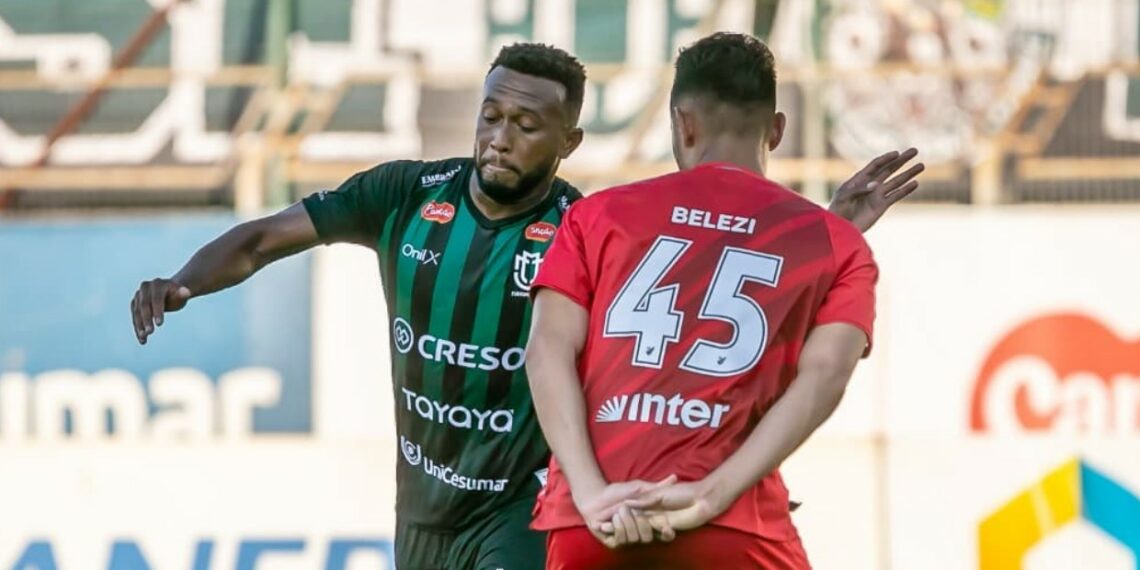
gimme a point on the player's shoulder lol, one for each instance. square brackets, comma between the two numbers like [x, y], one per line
[623, 201]
[847, 241]
[780, 201]
[623, 194]
[729, 183]
[586, 209]
[783, 201]
[566, 195]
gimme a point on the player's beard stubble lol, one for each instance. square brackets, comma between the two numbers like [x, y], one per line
[525, 184]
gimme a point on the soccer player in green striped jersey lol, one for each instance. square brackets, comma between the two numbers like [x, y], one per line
[459, 242]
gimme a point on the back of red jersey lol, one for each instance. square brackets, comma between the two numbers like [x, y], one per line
[701, 287]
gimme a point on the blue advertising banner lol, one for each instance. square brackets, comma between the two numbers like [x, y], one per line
[231, 363]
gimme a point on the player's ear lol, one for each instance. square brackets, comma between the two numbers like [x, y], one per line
[571, 142]
[776, 131]
[684, 126]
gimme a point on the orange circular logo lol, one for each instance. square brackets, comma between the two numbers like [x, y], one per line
[1062, 372]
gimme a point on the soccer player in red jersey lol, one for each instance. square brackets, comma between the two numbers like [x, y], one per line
[696, 327]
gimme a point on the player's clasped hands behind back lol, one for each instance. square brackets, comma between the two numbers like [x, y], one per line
[642, 512]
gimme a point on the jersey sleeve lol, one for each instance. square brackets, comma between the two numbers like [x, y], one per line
[851, 298]
[356, 211]
[566, 267]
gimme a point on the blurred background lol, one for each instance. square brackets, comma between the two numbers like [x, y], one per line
[996, 426]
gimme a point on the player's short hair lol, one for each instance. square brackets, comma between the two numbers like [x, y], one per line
[547, 62]
[731, 68]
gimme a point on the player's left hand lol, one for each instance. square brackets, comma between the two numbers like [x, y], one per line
[632, 526]
[865, 197]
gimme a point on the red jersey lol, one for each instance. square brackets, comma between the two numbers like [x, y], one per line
[701, 288]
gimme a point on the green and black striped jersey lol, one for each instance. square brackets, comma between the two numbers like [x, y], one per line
[456, 286]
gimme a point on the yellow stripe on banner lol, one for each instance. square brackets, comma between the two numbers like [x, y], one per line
[1062, 490]
[1041, 509]
[1006, 535]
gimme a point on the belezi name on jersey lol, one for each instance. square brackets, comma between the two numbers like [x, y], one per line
[723, 222]
[456, 287]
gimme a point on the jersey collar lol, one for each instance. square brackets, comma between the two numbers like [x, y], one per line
[729, 167]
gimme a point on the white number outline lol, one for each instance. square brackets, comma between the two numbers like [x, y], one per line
[654, 290]
[702, 344]
[642, 305]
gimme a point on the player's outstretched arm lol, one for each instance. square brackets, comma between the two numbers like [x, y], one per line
[825, 366]
[867, 195]
[224, 262]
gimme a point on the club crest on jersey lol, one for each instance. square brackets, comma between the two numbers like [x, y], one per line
[540, 231]
[526, 269]
[441, 212]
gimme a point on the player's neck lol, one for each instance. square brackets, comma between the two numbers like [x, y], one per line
[735, 151]
[493, 210]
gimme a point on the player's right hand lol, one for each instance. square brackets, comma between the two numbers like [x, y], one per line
[693, 516]
[683, 506]
[605, 507]
[152, 301]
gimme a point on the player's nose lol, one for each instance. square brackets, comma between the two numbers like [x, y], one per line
[501, 139]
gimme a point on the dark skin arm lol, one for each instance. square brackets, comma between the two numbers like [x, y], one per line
[228, 260]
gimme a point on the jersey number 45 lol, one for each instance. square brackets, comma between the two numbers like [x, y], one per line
[646, 310]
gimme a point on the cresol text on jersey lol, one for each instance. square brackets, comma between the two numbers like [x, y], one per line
[461, 354]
